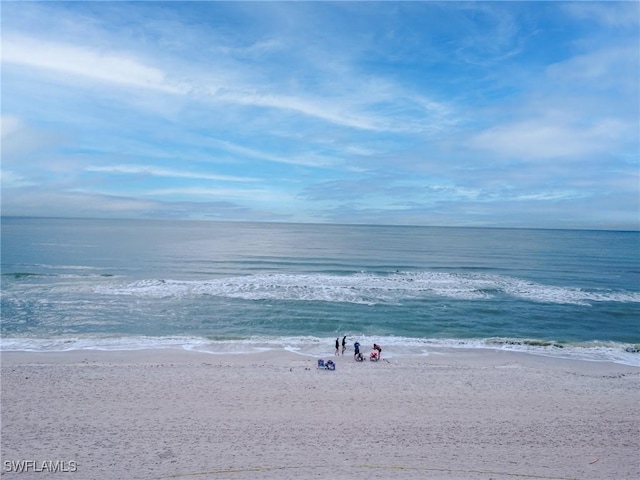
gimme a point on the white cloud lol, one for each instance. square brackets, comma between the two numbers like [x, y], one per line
[547, 138]
[22, 144]
[163, 172]
[306, 160]
[599, 69]
[85, 62]
[611, 14]
[224, 193]
[546, 196]
[305, 106]
[118, 68]
[415, 113]
[10, 124]
[32, 202]
[9, 179]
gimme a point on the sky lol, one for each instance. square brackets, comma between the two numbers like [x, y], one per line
[486, 114]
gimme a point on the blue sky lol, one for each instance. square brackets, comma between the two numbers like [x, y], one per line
[501, 114]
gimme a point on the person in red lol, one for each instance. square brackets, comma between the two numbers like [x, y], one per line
[378, 348]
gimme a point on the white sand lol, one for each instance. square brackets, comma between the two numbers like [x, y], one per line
[460, 415]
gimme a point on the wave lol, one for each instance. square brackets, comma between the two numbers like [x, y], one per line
[310, 346]
[31, 275]
[370, 289]
[25, 275]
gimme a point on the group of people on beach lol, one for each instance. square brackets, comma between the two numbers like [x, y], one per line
[375, 355]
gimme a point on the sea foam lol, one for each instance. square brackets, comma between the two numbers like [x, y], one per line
[365, 288]
[311, 346]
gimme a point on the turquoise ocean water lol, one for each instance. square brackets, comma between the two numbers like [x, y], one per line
[242, 287]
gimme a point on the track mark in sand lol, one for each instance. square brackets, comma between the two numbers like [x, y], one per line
[364, 467]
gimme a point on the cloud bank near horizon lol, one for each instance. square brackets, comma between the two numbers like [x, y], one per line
[475, 114]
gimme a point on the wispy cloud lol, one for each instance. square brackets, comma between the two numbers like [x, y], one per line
[163, 172]
[10, 124]
[611, 14]
[545, 139]
[121, 68]
[413, 112]
[262, 195]
[85, 62]
[304, 159]
[9, 179]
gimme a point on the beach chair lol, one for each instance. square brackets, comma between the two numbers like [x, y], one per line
[373, 356]
[328, 365]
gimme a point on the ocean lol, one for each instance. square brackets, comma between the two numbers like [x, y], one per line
[232, 287]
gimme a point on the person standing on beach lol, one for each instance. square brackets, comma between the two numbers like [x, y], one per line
[378, 348]
[338, 346]
[344, 344]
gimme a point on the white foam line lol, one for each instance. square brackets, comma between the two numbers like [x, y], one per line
[318, 347]
[367, 288]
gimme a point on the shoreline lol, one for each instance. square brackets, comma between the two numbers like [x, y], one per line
[457, 414]
[314, 347]
[435, 356]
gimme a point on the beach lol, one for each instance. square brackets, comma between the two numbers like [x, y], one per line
[171, 413]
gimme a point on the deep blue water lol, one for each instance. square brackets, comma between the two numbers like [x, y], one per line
[223, 286]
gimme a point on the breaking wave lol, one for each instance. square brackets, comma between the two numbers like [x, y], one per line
[366, 288]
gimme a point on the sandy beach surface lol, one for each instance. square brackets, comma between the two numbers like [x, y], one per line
[451, 415]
